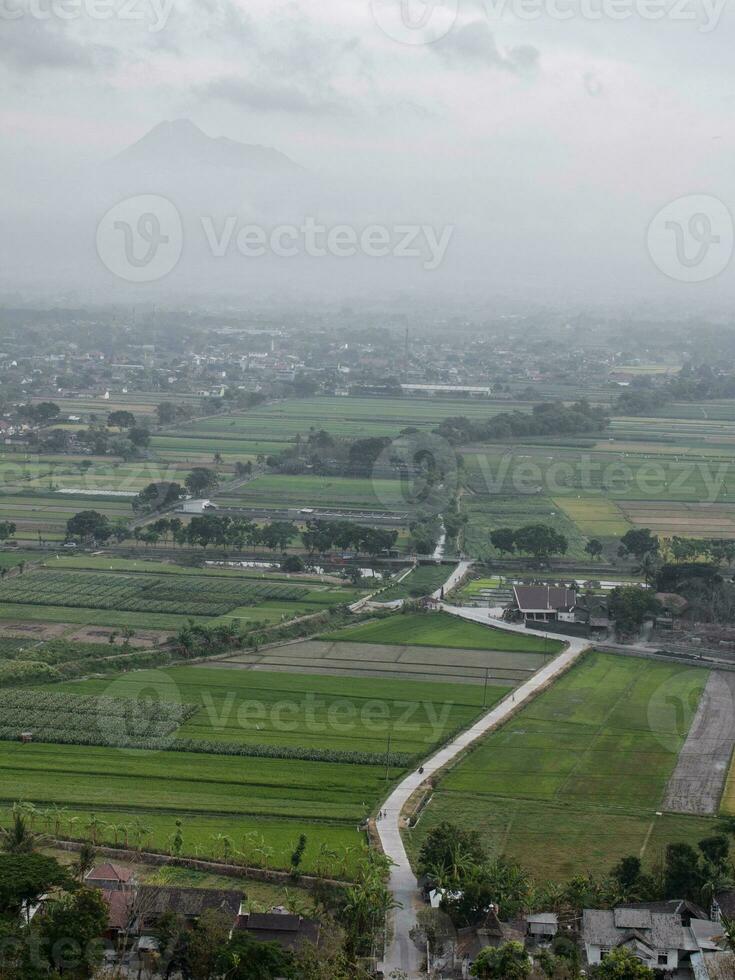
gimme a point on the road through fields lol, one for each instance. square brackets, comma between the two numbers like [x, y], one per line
[402, 953]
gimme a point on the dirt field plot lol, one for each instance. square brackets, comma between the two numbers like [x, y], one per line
[379, 660]
[100, 634]
[34, 631]
[696, 784]
[690, 520]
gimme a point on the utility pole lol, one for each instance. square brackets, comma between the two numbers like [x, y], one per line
[484, 691]
[387, 758]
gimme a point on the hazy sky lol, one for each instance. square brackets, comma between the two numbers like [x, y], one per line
[548, 131]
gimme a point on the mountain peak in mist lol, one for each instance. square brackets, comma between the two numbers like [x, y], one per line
[180, 144]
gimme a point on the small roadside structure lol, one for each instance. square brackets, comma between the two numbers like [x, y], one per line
[542, 927]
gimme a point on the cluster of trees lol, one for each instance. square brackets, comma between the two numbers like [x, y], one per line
[41, 414]
[64, 941]
[161, 494]
[168, 413]
[91, 527]
[98, 439]
[323, 536]
[691, 567]
[233, 532]
[692, 384]
[456, 861]
[7, 530]
[538, 540]
[325, 454]
[511, 962]
[546, 419]
[629, 606]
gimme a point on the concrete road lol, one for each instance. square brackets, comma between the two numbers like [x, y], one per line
[454, 579]
[402, 953]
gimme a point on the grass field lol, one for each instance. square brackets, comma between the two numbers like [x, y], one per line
[222, 794]
[574, 781]
[595, 516]
[727, 804]
[488, 512]
[316, 491]
[449, 665]
[104, 592]
[421, 581]
[303, 711]
[441, 630]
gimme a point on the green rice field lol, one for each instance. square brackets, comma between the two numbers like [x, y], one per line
[441, 630]
[575, 779]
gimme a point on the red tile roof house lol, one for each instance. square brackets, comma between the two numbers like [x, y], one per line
[110, 877]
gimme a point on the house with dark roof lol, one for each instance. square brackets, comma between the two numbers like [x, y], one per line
[543, 603]
[155, 901]
[538, 604]
[289, 931]
[674, 942]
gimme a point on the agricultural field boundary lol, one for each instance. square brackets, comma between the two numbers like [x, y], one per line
[698, 781]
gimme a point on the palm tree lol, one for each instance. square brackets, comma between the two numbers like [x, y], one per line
[325, 853]
[248, 843]
[266, 852]
[85, 861]
[93, 826]
[57, 816]
[715, 880]
[29, 810]
[18, 839]
[114, 830]
[140, 832]
[728, 932]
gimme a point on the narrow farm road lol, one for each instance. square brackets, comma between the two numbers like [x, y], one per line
[402, 954]
[458, 573]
